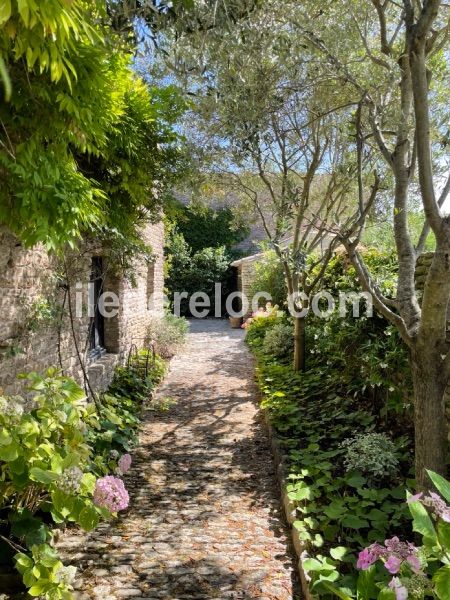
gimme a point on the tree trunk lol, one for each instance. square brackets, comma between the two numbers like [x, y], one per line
[430, 423]
[299, 344]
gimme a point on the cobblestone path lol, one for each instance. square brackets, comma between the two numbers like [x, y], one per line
[205, 519]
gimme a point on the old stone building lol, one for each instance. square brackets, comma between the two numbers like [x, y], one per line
[50, 309]
[245, 275]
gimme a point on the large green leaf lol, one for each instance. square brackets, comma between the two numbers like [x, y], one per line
[312, 564]
[441, 484]
[10, 452]
[365, 585]
[422, 522]
[443, 530]
[339, 552]
[88, 518]
[441, 581]
[63, 503]
[5, 11]
[5, 437]
[42, 476]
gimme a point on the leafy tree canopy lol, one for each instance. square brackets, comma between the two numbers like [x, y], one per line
[85, 145]
[204, 227]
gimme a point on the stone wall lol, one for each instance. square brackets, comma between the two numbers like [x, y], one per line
[36, 330]
[246, 275]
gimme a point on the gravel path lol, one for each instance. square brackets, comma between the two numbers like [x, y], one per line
[205, 519]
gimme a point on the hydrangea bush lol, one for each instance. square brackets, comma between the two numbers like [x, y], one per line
[399, 570]
[46, 475]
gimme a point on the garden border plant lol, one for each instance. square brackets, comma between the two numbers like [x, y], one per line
[62, 462]
[334, 508]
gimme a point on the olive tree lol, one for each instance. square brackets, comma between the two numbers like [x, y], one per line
[394, 58]
[276, 137]
[389, 59]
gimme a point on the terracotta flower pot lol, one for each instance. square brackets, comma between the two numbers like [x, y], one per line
[235, 322]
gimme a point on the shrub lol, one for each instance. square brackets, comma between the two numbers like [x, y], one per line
[312, 420]
[61, 461]
[113, 432]
[279, 340]
[373, 454]
[169, 333]
[45, 475]
[259, 323]
[198, 271]
[269, 277]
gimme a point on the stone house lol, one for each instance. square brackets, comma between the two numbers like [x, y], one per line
[245, 274]
[50, 309]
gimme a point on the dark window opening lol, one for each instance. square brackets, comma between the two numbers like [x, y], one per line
[150, 285]
[97, 324]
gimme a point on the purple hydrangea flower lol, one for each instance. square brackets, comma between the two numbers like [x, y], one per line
[124, 464]
[369, 556]
[401, 593]
[435, 503]
[414, 562]
[393, 564]
[110, 493]
[395, 553]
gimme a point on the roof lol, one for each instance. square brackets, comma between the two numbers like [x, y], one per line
[247, 259]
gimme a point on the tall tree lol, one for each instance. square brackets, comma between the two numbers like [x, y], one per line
[390, 59]
[269, 129]
[396, 70]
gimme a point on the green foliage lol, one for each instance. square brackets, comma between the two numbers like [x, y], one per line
[373, 454]
[193, 272]
[259, 324]
[114, 431]
[203, 227]
[269, 277]
[368, 353]
[200, 247]
[52, 448]
[355, 384]
[44, 574]
[279, 341]
[45, 464]
[422, 572]
[313, 420]
[379, 233]
[168, 333]
[85, 144]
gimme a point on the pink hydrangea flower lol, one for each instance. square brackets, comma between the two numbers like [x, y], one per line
[414, 562]
[401, 593]
[110, 493]
[124, 464]
[393, 564]
[395, 553]
[368, 557]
